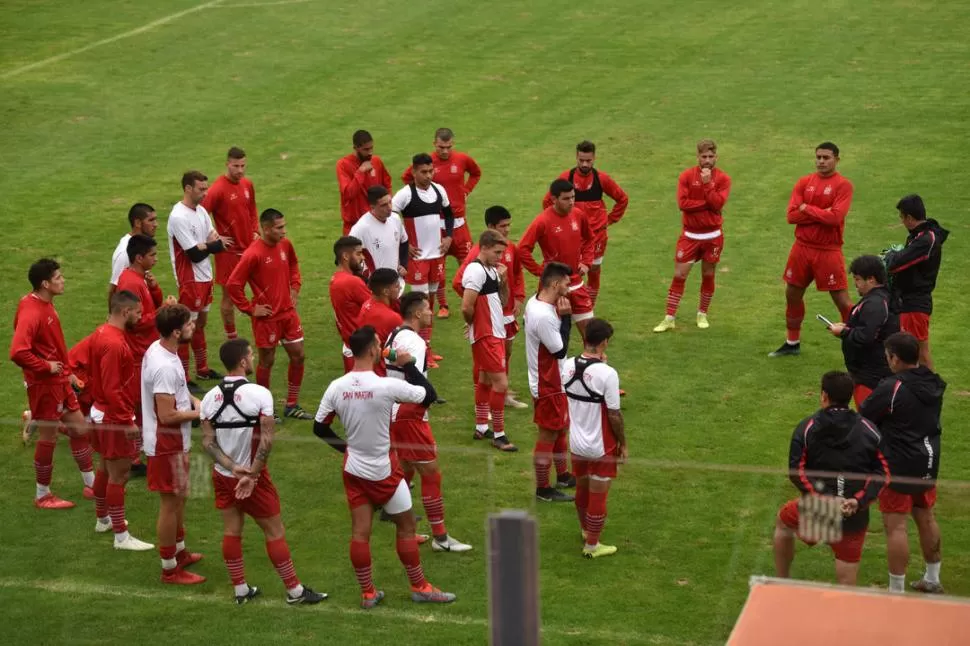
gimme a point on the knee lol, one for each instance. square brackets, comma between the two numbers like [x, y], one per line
[500, 382]
[297, 357]
[267, 360]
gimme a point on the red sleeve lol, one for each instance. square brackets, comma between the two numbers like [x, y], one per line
[474, 174]
[296, 281]
[22, 346]
[833, 216]
[407, 176]
[253, 213]
[156, 295]
[517, 281]
[147, 321]
[547, 200]
[361, 293]
[797, 198]
[456, 282]
[236, 285]
[717, 192]
[350, 182]
[211, 200]
[119, 405]
[79, 356]
[618, 195]
[385, 178]
[527, 244]
[586, 251]
[684, 203]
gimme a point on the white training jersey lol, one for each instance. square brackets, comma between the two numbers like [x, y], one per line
[363, 402]
[162, 374]
[188, 228]
[382, 240]
[489, 316]
[589, 428]
[119, 259]
[424, 232]
[407, 340]
[543, 340]
[238, 443]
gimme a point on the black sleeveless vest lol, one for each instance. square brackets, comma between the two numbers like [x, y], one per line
[593, 194]
[418, 207]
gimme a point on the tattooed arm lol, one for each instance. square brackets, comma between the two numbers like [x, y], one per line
[211, 446]
[267, 430]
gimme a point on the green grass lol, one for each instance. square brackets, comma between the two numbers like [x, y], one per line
[520, 83]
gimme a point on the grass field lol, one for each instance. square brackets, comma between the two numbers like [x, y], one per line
[87, 134]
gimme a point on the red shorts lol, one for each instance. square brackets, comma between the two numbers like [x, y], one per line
[361, 491]
[110, 442]
[824, 266]
[461, 244]
[264, 502]
[551, 412]
[511, 330]
[604, 467]
[196, 296]
[413, 440]
[690, 250]
[848, 550]
[488, 354]
[916, 323]
[859, 394]
[424, 272]
[581, 303]
[348, 363]
[285, 329]
[600, 238]
[893, 502]
[49, 402]
[225, 263]
[169, 473]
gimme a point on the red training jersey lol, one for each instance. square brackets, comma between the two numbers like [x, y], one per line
[700, 204]
[145, 333]
[233, 210]
[382, 318]
[37, 339]
[271, 272]
[111, 373]
[348, 293]
[827, 201]
[562, 238]
[513, 272]
[79, 358]
[595, 209]
[451, 173]
[354, 184]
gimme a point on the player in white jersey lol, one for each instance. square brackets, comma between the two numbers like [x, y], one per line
[382, 234]
[371, 473]
[167, 411]
[410, 429]
[142, 219]
[596, 432]
[237, 432]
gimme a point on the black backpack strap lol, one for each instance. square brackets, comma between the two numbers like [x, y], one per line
[228, 389]
[582, 363]
[572, 174]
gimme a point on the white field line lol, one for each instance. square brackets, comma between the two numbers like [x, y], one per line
[277, 3]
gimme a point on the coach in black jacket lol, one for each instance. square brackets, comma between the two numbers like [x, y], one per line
[871, 322]
[907, 407]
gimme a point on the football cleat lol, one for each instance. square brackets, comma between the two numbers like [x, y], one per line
[103, 525]
[483, 435]
[209, 375]
[296, 412]
[50, 501]
[551, 494]
[787, 350]
[186, 558]
[598, 551]
[309, 597]
[565, 481]
[371, 599]
[702, 321]
[449, 544]
[242, 600]
[669, 323]
[431, 594]
[512, 402]
[132, 544]
[194, 388]
[443, 312]
[181, 577]
[88, 493]
[922, 585]
[503, 444]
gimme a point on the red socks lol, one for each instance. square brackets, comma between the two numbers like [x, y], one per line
[496, 405]
[582, 503]
[200, 351]
[294, 379]
[674, 294]
[794, 315]
[279, 555]
[707, 293]
[115, 499]
[542, 460]
[232, 555]
[183, 353]
[44, 462]
[595, 516]
[442, 293]
[425, 333]
[230, 329]
[483, 395]
[262, 376]
[100, 492]
[559, 451]
[407, 551]
[360, 558]
[81, 451]
[434, 506]
[593, 284]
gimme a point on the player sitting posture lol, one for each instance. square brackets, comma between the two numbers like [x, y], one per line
[372, 476]
[112, 375]
[485, 293]
[702, 192]
[237, 433]
[834, 457]
[871, 322]
[142, 220]
[596, 432]
[382, 234]
[818, 207]
[914, 269]
[381, 310]
[348, 291]
[270, 268]
[38, 348]
[907, 408]
[356, 173]
[167, 411]
[546, 341]
[410, 429]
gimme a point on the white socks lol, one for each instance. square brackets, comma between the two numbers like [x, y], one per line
[932, 574]
[481, 427]
[242, 589]
[42, 490]
[897, 583]
[169, 564]
[295, 591]
[122, 537]
[88, 478]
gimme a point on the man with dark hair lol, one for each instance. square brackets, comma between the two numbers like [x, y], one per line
[546, 344]
[563, 234]
[380, 311]
[38, 348]
[429, 221]
[237, 433]
[451, 168]
[590, 184]
[191, 239]
[270, 268]
[382, 234]
[142, 219]
[836, 463]
[168, 411]
[819, 205]
[702, 192]
[231, 200]
[357, 172]
[914, 269]
[596, 432]
[907, 409]
[372, 477]
[348, 291]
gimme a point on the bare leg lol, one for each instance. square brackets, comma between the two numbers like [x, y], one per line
[784, 545]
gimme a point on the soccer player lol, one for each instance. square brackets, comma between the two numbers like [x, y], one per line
[411, 433]
[563, 234]
[596, 432]
[426, 210]
[590, 185]
[231, 201]
[913, 270]
[702, 192]
[357, 172]
[270, 268]
[382, 234]
[237, 433]
[381, 311]
[485, 293]
[835, 452]
[372, 476]
[191, 240]
[143, 220]
[546, 341]
[38, 348]
[348, 291]
[818, 207]
[112, 377]
[907, 408]
[167, 411]
[451, 168]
